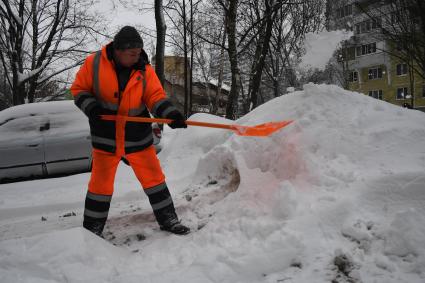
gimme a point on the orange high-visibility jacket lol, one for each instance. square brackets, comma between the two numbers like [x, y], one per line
[96, 85]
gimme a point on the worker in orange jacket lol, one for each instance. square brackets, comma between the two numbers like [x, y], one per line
[118, 80]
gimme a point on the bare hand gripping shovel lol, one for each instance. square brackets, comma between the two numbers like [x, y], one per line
[262, 130]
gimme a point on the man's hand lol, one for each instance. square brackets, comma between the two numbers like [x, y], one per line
[178, 120]
[95, 113]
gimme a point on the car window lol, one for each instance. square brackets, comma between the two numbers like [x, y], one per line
[68, 122]
[23, 124]
[24, 127]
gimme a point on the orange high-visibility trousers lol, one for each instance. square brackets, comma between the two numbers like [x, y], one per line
[144, 163]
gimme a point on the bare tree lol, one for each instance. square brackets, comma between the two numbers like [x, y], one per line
[220, 71]
[177, 14]
[41, 39]
[192, 53]
[246, 30]
[161, 29]
[208, 56]
[217, 15]
[266, 13]
[5, 93]
[287, 39]
[253, 37]
[230, 8]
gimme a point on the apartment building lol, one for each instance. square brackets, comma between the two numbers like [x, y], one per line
[370, 68]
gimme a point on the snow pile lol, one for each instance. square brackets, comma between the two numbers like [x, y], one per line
[319, 47]
[70, 251]
[337, 195]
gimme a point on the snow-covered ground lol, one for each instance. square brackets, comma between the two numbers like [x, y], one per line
[337, 196]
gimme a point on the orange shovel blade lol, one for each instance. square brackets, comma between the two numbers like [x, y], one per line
[262, 130]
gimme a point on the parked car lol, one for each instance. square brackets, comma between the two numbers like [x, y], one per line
[45, 139]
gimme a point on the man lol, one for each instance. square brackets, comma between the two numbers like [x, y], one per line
[118, 80]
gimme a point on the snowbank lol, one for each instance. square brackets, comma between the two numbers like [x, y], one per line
[337, 195]
[59, 257]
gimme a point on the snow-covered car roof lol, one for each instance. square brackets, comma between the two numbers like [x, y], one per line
[40, 109]
[64, 118]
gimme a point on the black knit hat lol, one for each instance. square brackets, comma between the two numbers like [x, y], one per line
[128, 37]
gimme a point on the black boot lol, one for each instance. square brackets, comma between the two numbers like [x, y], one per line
[96, 212]
[95, 227]
[170, 222]
[163, 208]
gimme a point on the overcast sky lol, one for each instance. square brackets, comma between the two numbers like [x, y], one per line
[134, 13]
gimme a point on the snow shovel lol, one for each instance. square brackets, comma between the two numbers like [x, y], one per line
[262, 130]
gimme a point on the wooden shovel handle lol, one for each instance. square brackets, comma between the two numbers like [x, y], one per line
[166, 121]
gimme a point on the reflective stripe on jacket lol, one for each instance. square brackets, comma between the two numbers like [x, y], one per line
[96, 85]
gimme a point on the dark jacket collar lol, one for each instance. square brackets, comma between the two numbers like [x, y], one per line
[140, 65]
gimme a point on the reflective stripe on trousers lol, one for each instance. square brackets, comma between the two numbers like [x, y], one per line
[97, 206]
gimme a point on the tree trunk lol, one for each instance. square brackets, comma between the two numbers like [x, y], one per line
[186, 92]
[264, 47]
[160, 41]
[18, 91]
[254, 70]
[220, 71]
[276, 88]
[34, 31]
[231, 15]
[32, 88]
[17, 38]
[33, 81]
[191, 60]
[412, 85]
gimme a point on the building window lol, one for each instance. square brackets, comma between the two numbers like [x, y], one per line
[402, 93]
[358, 29]
[375, 73]
[366, 49]
[376, 23]
[344, 11]
[348, 54]
[376, 94]
[368, 25]
[354, 76]
[401, 69]
[348, 10]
